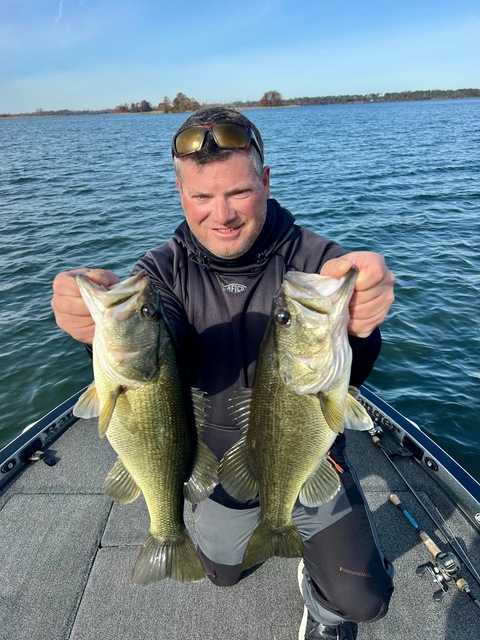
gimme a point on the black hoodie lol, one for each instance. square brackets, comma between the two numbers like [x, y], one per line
[219, 310]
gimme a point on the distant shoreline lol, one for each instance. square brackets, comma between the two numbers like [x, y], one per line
[145, 107]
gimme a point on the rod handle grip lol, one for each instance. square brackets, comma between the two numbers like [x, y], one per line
[429, 543]
[394, 499]
[462, 584]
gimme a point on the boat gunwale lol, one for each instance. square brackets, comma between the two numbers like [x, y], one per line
[15, 455]
[445, 471]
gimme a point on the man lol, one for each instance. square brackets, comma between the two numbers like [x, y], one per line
[217, 277]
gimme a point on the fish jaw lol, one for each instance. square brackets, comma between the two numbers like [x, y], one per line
[320, 293]
[120, 296]
[127, 325]
[313, 349]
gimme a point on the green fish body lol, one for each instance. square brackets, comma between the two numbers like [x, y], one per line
[298, 404]
[148, 414]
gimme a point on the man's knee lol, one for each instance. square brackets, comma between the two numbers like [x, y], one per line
[370, 608]
[359, 598]
[221, 575]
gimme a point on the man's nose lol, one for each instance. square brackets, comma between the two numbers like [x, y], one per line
[223, 210]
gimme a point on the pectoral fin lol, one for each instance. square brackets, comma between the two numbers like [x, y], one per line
[333, 412]
[88, 405]
[107, 411]
[356, 416]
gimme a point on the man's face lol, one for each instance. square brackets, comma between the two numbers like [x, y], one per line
[225, 203]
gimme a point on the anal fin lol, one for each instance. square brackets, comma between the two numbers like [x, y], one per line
[204, 476]
[235, 472]
[322, 485]
[119, 484]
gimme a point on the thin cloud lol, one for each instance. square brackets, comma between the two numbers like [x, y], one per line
[60, 12]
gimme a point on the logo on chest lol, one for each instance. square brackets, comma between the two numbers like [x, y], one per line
[234, 287]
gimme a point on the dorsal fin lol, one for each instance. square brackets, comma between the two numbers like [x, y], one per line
[239, 408]
[200, 405]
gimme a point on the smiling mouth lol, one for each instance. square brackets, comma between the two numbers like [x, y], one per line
[228, 230]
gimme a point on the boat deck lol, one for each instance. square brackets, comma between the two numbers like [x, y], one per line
[67, 554]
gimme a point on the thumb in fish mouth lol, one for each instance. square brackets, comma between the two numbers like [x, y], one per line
[102, 277]
[336, 267]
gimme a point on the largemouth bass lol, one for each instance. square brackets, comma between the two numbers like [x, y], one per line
[298, 404]
[146, 410]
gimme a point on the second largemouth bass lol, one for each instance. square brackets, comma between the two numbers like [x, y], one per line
[298, 404]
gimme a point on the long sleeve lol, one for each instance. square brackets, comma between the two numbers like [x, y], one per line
[365, 352]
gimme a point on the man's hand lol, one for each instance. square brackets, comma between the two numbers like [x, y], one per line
[71, 312]
[373, 295]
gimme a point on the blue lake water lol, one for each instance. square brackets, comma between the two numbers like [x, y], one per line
[399, 178]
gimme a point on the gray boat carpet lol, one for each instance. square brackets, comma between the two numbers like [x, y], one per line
[67, 553]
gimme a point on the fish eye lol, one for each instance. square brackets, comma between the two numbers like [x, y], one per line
[282, 317]
[148, 311]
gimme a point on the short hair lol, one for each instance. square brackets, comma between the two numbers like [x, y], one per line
[210, 152]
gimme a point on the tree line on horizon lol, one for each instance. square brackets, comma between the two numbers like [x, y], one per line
[270, 99]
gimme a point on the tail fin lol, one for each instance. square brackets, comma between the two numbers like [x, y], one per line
[267, 542]
[174, 558]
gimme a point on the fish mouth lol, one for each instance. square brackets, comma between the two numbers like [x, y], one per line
[320, 303]
[126, 291]
[118, 300]
[316, 292]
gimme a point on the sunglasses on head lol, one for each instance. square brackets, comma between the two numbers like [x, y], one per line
[226, 136]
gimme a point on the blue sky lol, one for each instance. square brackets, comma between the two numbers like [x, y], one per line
[89, 54]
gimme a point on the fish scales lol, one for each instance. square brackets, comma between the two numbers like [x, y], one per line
[298, 404]
[143, 446]
[148, 414]
[294, 450]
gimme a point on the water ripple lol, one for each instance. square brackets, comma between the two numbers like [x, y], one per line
[399, 178]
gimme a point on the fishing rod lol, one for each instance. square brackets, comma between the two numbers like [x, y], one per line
[446, 567]
[437, 518]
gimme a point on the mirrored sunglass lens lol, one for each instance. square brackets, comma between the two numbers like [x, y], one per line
[230, 135]
[190, 140]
